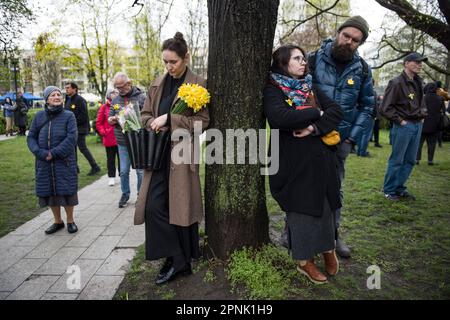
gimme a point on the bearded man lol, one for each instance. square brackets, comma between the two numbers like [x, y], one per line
[340, 73]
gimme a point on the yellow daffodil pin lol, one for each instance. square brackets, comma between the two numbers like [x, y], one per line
[72, 106]
[351, 81]
[116, 107]
[289, 102]
[411, 96]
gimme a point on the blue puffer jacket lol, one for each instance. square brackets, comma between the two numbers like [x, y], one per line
[355, 98]
[59, 175]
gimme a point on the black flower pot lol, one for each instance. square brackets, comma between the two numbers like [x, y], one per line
[132, 143]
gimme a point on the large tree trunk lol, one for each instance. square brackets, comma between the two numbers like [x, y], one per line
[241, 35]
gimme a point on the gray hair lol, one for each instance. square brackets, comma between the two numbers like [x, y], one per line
[121, 75]
[110, 91]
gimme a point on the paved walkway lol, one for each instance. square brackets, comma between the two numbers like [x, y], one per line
[4, 137]
[34, 265]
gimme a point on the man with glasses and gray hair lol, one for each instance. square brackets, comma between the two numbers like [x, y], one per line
[345, 77]
[128, 94]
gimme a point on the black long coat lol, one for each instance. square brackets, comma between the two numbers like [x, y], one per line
[20, 115]
[308, 168]
[435, 108]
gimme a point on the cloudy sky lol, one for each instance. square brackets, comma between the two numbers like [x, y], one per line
[47, 10]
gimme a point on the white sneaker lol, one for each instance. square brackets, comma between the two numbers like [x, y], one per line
[111, 182]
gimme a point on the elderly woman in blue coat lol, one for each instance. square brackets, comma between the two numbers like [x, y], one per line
[52, 139]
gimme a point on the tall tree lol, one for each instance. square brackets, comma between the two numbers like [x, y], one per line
[147, 45]
[309, 22]
[47, 60]
[431, 18]
[196, 33]
[13, 16]
[235, 202]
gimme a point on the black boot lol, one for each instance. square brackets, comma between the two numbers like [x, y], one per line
[94, 170]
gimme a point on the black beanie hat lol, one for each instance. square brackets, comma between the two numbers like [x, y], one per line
[357, 22]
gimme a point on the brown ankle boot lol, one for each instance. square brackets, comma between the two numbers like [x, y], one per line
[310, 270]
[331, 263]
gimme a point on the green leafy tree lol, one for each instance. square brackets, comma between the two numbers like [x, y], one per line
[14, 14]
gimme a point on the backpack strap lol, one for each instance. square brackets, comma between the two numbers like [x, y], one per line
[365, 70]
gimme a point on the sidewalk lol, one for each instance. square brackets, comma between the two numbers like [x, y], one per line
[33, 265]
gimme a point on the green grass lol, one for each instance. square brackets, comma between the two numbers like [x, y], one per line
[409, 241]
[18, 201]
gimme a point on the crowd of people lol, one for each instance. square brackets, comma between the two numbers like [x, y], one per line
[323, 104]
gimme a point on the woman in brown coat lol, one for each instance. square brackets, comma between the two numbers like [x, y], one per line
[170, 202]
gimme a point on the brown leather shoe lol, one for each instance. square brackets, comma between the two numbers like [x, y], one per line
[331, 263]
[310, 270]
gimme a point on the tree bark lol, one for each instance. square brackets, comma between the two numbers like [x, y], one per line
[241, 35]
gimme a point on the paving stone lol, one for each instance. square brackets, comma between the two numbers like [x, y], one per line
[59, 263]
[18, 273]
[34, 224]
[59, 296]
[12, 255]
[119, 226]
[4, 295]
[105, 218]
[49, 247]
[35, 238]
[117, 263]
[85, 237]
[101, 248]
[10, 240]
[34, 288]
[87, 269]
[134, 237]
[101, 288]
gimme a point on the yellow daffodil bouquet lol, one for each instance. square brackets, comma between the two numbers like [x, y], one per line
[191, 96]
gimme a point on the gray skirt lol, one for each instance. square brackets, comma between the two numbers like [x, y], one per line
[308, 235]
[59, 201]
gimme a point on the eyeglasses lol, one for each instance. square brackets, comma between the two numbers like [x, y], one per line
[122, 86]
[300, 59]
[348, 37]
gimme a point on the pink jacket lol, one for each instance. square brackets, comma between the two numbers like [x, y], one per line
[104, 128]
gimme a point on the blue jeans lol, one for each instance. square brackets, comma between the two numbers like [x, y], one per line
[125, 166]
[405, 144]
[363, 142]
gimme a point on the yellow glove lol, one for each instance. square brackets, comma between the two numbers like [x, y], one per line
[332, 138]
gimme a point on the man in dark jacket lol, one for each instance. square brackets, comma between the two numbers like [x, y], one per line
[21, 112]
[128, 94]
[403, 105]
[77, 104]
[345, 77]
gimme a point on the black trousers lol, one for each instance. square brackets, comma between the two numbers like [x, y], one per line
[81, 143]
[432, 139]
[376, 131]
[111, 154]
[22, 130]
[163, 239]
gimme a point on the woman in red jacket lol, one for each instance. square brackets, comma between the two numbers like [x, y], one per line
[108, 137]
